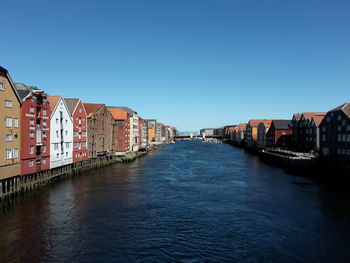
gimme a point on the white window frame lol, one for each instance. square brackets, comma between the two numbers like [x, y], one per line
[31, 109]
[8, 137]
[31, 149]
[31, 163]
[8, 121]
[15, 153]
[15, 124]
[9, 154]
[8, 103]
[2, 86]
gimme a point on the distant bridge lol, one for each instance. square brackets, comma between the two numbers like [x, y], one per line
[188, 137]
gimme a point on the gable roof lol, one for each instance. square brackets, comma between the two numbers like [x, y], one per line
[266, 123]
[242, 126]
[71, 104]
[309, 115]
[53, 101]
[281, 124]
[118, 113]
[92, 108]
[11, 83]
[255, 123]
[127, 109]
[23, 90]
[318, 119]
[297, 116]
[344, 107]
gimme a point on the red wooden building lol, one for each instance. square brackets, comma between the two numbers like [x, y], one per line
[279, 134]
[122, 120]
[78, 113]
[35, 130]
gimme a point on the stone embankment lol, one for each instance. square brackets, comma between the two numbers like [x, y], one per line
[14, 186]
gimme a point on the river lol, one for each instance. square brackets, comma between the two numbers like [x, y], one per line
[185, 202]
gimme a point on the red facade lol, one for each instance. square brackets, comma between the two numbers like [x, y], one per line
[35, 129]
[122, 143]
[141, 123]
[80, 147]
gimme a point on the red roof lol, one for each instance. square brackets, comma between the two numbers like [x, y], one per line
[92, 107]
[318, 119]
[242, 126]
[255, 123]
[309, 115]
[344, 107]
[53, 101]
[118, 113]
[297, 116]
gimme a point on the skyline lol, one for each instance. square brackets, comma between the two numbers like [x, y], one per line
[187, 63]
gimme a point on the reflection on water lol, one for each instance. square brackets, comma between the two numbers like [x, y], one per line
[188, 202]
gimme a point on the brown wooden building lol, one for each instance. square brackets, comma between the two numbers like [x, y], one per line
[100, 129]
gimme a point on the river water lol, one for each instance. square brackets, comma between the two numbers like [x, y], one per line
[186, 202]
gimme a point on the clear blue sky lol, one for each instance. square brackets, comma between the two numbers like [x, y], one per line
[189, 63]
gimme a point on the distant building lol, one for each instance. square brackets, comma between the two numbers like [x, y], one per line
[207, 131]
[10, 132]
[299, 128]
[252, 132]
[241, 132]
[313, 136]
[335, 133]
[279, 134]
[35, 125]
[151, 124]
[263, 127]
[143, 133]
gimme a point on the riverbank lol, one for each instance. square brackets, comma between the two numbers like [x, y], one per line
[17, 185]
[300, 163]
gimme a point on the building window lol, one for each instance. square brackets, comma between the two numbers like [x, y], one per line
[2, 87]
[44, 160]
[44, 148]
[339, 128]
[44, 135]
[338, 151]
[56, 120]
[66, 121]
[8, 103]
[339, 137]
[348, 127]
[9, 154]
[33, 99]
[44, 112]
[66, 133]
[15, 153]
[66, 154]
[31, 122]
[55, 146]
[348, 138]
[31, 109]
[339, 117]
[15, 122]
[8, 137]
[44, 123]
[31, 149]
[57, 134]
[8, 122]
[31, 163]
[58, 156]
[67, 145]
[344, 137]
[31, 135]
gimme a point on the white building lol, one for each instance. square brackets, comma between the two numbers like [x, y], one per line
[61, 133]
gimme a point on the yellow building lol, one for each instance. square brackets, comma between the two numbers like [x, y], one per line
[10, 127]
[151, 130]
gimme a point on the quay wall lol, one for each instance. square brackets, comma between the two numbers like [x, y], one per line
[17, 185]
